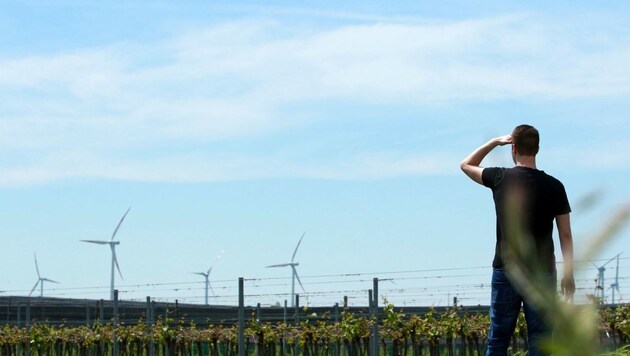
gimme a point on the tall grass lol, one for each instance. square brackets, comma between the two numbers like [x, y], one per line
[575, 328]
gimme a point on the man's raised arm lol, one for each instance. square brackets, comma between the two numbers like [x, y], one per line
[471, 164]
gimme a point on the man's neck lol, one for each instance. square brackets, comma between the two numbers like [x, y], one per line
[526, 161]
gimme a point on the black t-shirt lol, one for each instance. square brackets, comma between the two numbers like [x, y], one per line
[540, 198]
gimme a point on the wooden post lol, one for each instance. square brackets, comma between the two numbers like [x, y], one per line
[336, 314]
[241, 318]
[284, 336]
[115, 350]
[296, 348]
[101, 312]
[371, 314]
[376, 317]
[150, 322]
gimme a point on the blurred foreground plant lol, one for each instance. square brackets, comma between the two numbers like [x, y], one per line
[575, 328]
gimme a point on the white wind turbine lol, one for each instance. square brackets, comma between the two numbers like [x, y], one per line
[600, 277]
[40, 280]
[615, 286]
[112, 244]
[206, 275]
[294, 271]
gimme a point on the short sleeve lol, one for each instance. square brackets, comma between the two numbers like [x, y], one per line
[563, 206]
[491, 177]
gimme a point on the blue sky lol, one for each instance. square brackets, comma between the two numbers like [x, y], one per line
[237, 126]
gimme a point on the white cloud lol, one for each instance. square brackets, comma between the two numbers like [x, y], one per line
[235, 81]
[199, 167]
[480, 59]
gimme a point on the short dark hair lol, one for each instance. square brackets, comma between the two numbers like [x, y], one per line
[526, 140]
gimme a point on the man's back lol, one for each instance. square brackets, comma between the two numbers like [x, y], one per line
[541, 199]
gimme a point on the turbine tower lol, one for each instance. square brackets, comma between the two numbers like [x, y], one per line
[600, 278]
[112, 244]
[294, 271]
[206, 275]
[40, 280]
[615, 285]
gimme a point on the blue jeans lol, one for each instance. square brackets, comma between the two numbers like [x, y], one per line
[504, 309]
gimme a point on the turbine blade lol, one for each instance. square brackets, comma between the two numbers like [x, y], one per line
[35, 286]
[116, 261]
[298, 278]
[119, 223]
[209, 270]
[607, 262]
[199, 273]
[212, 290]
[280, 265]
[36, 266]
[49, 280]
[617, 271]
[298, 245]
[99, 242]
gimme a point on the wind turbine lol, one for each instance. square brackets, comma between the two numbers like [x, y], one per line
[600, 277]
[615, 285]
[112, 244]
[206, 275]
[40, 280]
[294, 271]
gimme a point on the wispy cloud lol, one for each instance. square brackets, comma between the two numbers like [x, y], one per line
[240, 80]
[194, 168]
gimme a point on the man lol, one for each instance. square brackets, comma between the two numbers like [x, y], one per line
[541, 199]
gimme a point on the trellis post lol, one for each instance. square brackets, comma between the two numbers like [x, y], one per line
[241, 318]
[115, 333]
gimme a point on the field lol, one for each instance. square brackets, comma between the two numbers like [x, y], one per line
[172, 329]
